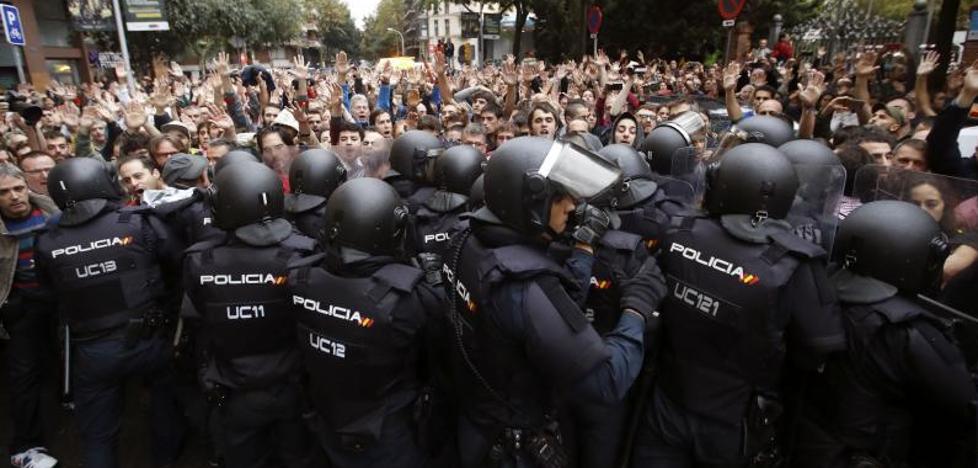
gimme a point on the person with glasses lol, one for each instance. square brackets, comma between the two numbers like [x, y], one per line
[36, 166]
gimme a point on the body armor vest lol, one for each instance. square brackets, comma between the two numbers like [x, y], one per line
[650, 219]
[103, 271]
[504, 389]
[723, 323]
[432, 229]
[241, 293]
[359, 338]
[614, 256]
[867, 410]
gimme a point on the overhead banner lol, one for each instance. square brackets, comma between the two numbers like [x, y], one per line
[491, 26]
[145, 15]
[91, 15]
[470, 25]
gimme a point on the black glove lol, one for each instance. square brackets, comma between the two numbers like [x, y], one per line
[643, 292]
[431, 264]
[592, 223]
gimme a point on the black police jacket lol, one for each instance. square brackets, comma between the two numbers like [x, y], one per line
[435, 219]
[108, 269]
[191, 218]
[901, 387]
[519, 334]
[241, 295]
[360, 331]
[306, 213]
[651, 218]
[733, 308]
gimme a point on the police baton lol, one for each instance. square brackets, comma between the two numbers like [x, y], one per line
[67, 399]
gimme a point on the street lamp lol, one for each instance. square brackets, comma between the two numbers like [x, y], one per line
[402, 39]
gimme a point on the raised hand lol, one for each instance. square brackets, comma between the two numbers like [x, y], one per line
[971, 78]
[816, 86]
[88, 117]
[135, 116]
[301, 68]
[928, 63]
[731, 73]
[222, 64]
[342, 66]
[866, 64]
[510, 76]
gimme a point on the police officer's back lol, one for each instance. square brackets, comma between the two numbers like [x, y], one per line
[313, 176]
[113, 270]
[644, 208]
[519, 334]
[237, 286]
[902, 394]
[456, 170]
[742, 289]
[361, 312]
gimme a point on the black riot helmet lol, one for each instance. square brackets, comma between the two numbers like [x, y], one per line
[894, 242]
[246, 193]
[809, 152]
[752, 179]
[364, 217]
[638, 182]
[662, 143]
[316, 172]
[82, 187]
[477, 196]
[457, 168]
[525, 175]
[78, 179]
[234, 157]
[413, 154]
[766, 129]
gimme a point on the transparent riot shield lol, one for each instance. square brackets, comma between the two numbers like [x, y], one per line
[687, 179]
[813, 213]
[951, 201]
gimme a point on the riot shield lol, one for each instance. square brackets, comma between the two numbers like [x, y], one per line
[951, 201]
[813, 213]
[688, 175]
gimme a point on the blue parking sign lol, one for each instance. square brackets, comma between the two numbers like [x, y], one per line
[12, 25]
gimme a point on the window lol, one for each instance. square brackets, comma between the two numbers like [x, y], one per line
[436, 28]
[448, 28]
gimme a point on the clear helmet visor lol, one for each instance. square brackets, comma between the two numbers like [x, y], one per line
[583, 174]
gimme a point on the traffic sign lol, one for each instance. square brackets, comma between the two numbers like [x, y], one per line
[11, 24]
[594, 17]
[728, 23]
[729, 9]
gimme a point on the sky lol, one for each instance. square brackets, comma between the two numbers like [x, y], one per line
[360, 9]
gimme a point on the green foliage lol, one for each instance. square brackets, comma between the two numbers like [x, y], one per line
[205, 25]
[337, 31]
[377, 41]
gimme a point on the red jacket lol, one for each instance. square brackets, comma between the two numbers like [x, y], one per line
[783, 50]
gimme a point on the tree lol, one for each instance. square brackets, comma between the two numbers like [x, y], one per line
[377, 41]
[337, 31]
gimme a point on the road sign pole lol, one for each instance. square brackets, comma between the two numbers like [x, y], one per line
[726, 50]
[20, 65]
[595, 37]
[124, 46]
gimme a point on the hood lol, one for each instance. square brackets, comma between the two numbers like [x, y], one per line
[639, 133]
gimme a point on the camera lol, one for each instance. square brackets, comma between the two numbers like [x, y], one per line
[18, 103]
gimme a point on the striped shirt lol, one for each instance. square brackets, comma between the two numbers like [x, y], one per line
[25, 277]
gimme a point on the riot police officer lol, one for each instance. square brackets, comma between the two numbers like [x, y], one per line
[113, 271]
[456, 170]
[643, 207]
[362, 313]
[248, 359]
[313, 176]
[902, 394]
[412, 158]
[519, 333]
[742, 288]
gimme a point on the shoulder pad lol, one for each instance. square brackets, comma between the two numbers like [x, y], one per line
[898, 309]
[306, 261]
[204, 245]
[299, 242]
[797, 245]
[399, 276]
[524, 261]
[620, 240]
